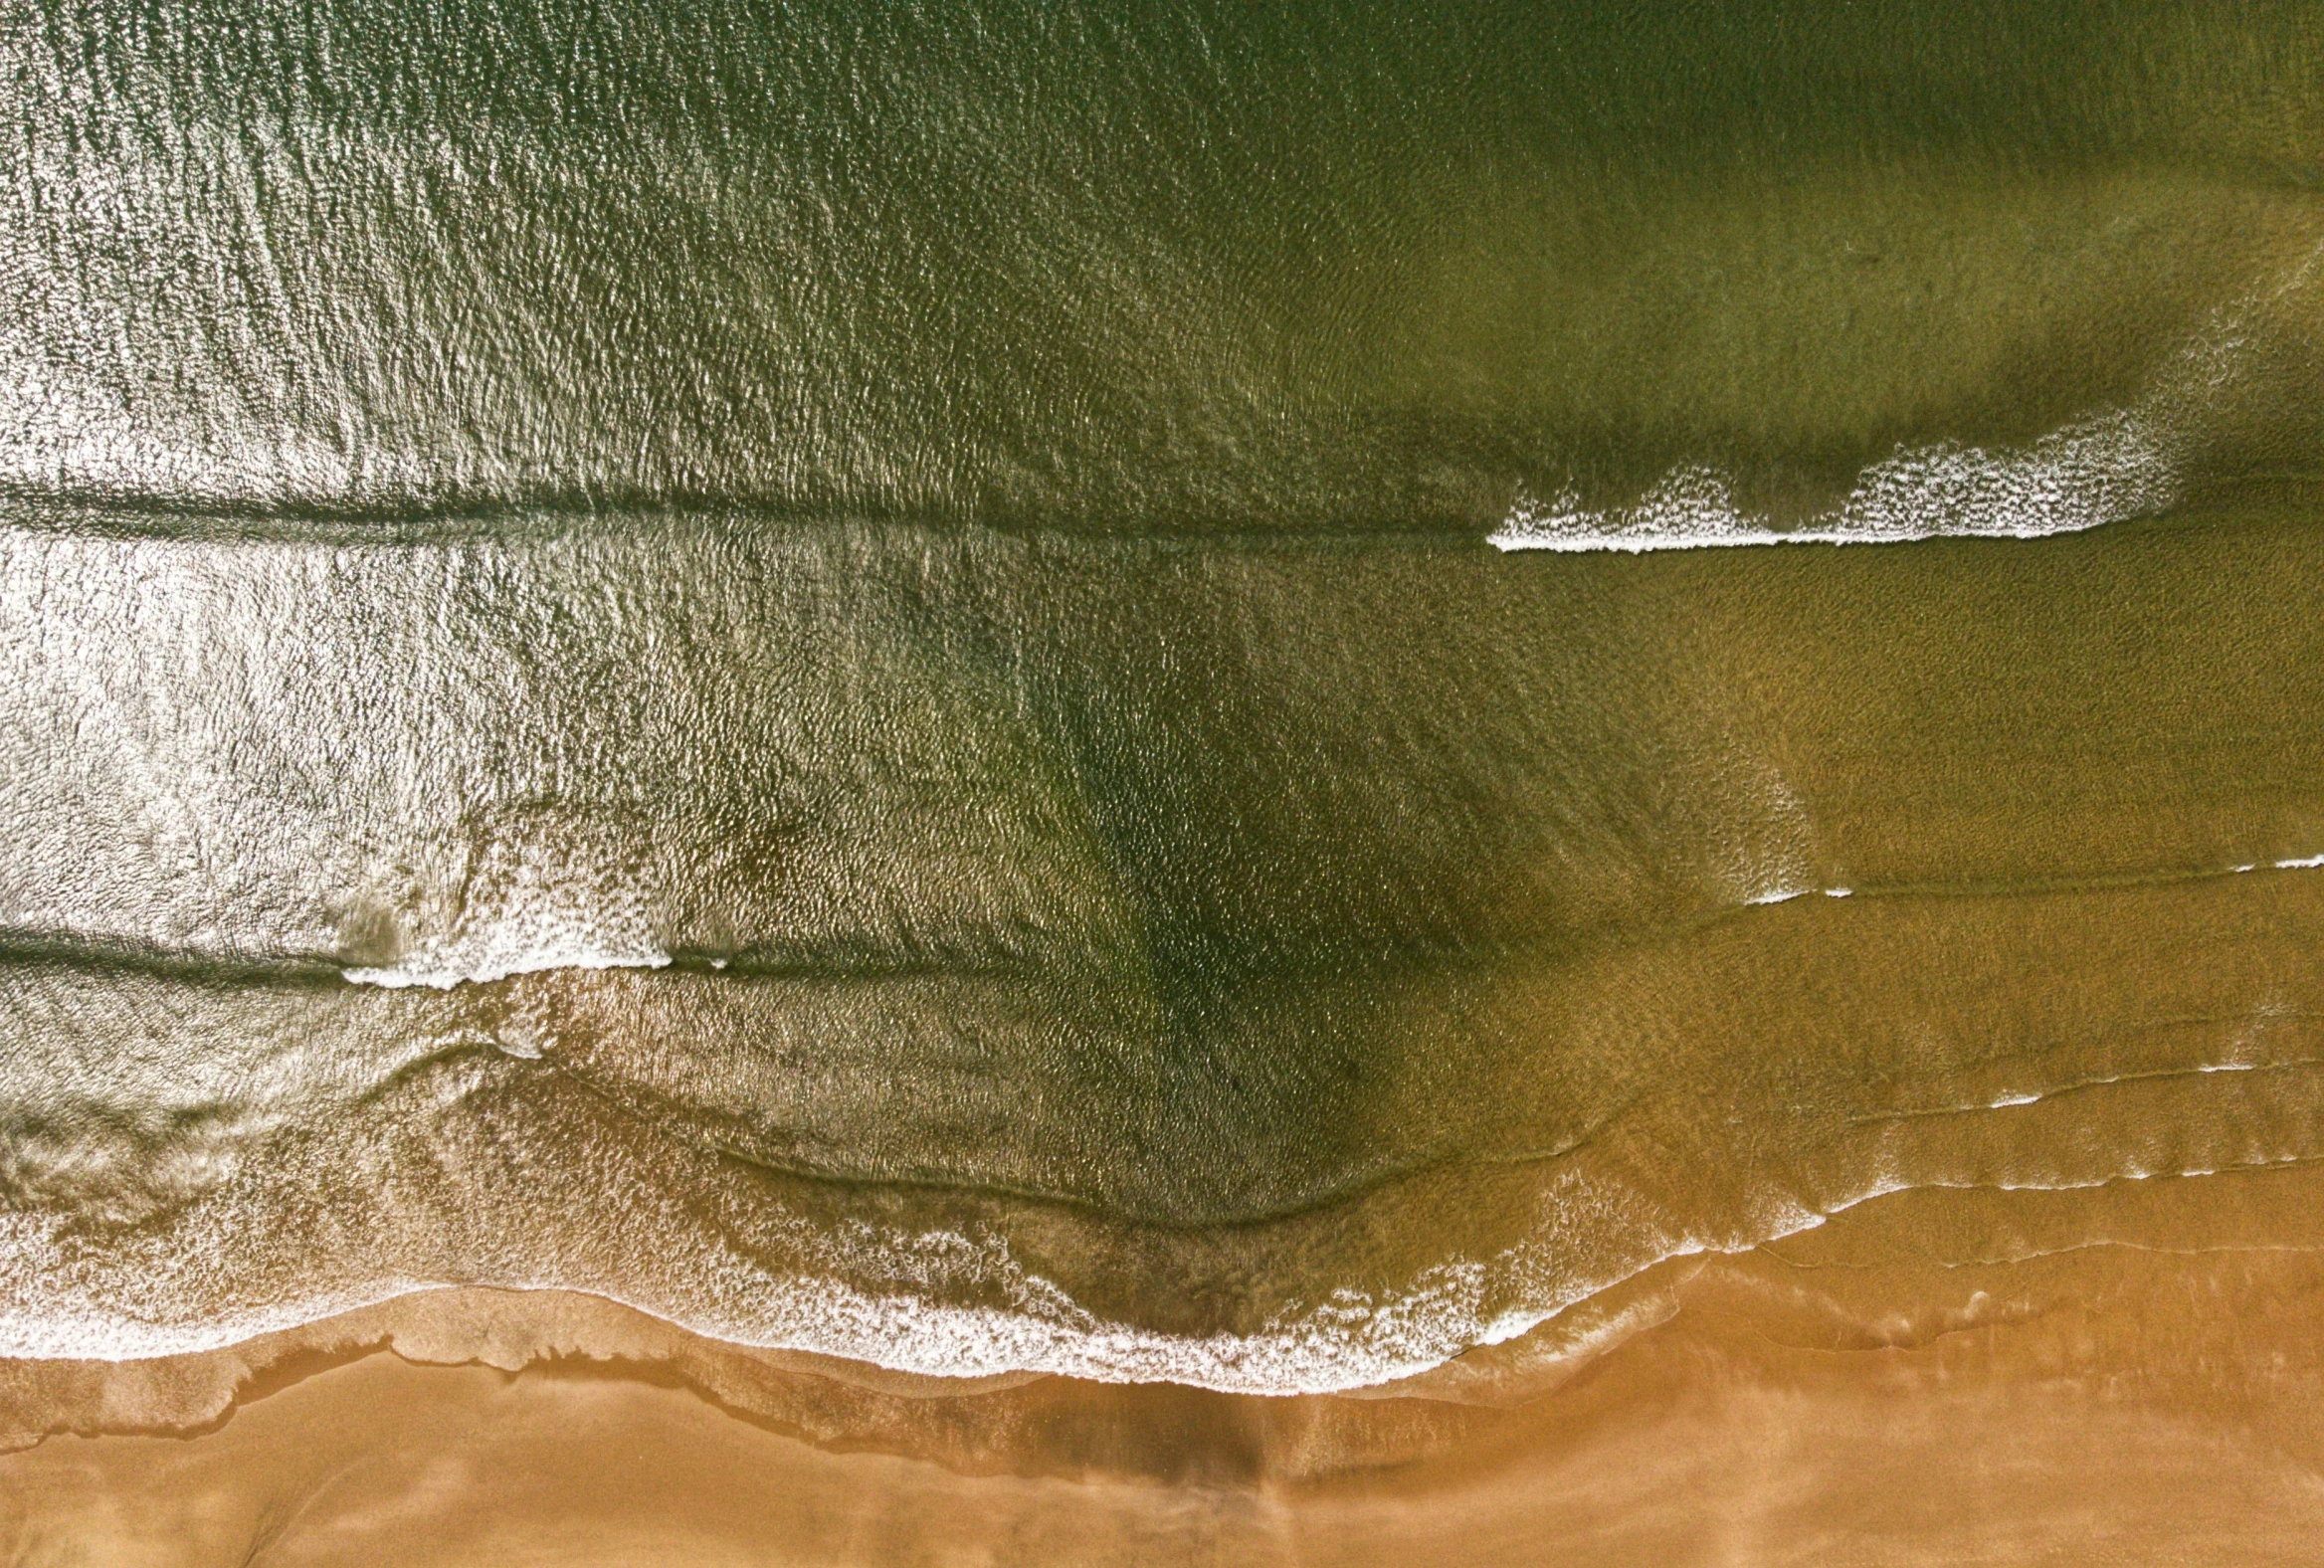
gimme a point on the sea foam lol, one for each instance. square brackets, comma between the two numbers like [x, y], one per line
[1349, 1341]
[502, 954]
[562, 892]
[2105, 469]
[2108, 466]
[876, 1295]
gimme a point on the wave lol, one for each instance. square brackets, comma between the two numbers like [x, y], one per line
[2113, 466]
[501, 953]
[652, 1151]
[1351, 1340]
[962, 1302]
[2108, 470]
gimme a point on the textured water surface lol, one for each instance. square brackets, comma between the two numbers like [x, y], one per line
[999, 690]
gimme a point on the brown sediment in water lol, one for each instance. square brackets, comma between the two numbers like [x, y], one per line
[2116, 1374]
[2034, 768]
[843, 678]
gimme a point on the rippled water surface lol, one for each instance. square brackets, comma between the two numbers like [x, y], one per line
[989, 763]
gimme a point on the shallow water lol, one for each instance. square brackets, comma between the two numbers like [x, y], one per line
[988, 761]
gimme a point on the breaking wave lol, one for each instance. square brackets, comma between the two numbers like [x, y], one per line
[2110, 467]
[2108, 470]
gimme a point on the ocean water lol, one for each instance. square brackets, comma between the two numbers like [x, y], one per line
[1011, 689]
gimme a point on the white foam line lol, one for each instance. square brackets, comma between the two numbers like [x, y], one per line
[1347, 1342]
[445, 978]
[2103, 470]
[908, 1335]
[2304, 863]
[2110, 467]
[1630, 539]
[1787, 894]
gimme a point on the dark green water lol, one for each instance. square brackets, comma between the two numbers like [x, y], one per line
[1162, 268]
